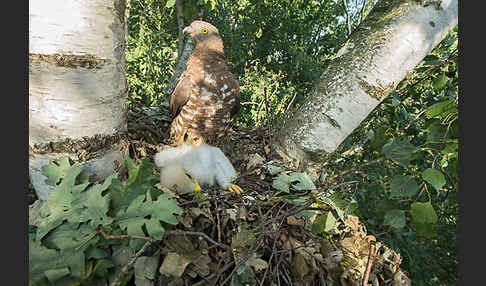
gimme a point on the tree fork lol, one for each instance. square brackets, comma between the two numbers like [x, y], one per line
[388, 44]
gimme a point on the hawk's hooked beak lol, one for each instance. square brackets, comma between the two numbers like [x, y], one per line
[186, 29]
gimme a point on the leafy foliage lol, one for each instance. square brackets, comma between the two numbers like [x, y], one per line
[406, 163]
[65, 245]
[275, 48]
[406, 166]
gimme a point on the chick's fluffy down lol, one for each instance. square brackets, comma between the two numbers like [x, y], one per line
[207, 164]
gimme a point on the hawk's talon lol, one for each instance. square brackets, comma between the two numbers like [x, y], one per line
[197, 188]
[235, 189]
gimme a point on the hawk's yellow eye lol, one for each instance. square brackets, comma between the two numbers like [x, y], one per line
[204, 30]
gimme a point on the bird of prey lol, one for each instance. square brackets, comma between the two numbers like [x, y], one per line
[187, 166]
[206, 95]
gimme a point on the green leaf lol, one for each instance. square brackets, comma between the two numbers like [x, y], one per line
[101, 267]
[399, 151]
[435, 132]
[325, 223]
[140, 179]
[145, 212]
[282, 183]
[434, 177]
[403, 186]
[423, 213]
[146, 268]
[59, 206]
[318, 225]
[441, 109]
[93, 206]
[304, 182]
[41, 259]
[425, 230]
[273, 168]
[54, 172]
[71, 237]
[337, 203]
[243, 276]
[440, 81]
[395, 218]
[423, 218]
[170, 3]
[55, 274]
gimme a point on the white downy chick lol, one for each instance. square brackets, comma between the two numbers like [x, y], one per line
[205, 164]
[174, 176]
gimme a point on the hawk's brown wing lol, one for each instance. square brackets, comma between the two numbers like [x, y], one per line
[181, 94]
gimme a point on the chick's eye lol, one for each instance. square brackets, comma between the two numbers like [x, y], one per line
[204, 30]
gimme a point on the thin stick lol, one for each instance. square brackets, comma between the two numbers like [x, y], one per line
[203, 200]
[226, 267]
[273, 252]
[217, 221]
[255, 247]
[124, 270]
[200, 234]
[369, 263]
[266, 102]
[125, 236]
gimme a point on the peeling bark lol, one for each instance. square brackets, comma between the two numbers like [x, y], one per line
[77, 85]
[391, 41]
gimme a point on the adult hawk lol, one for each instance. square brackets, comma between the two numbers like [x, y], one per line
[206, 95]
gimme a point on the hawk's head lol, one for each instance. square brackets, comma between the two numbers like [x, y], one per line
[202, 31]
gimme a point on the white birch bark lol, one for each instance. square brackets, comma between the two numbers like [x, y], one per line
[391, 41]
[77, 84]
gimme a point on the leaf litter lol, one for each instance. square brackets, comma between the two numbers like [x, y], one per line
[285, 229]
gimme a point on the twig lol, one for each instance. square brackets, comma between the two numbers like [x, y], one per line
[124, 270]
[291, 102]
[200, 234]
[255, 247]
[217, 220]
[273, 252]
[266, 101]
[369, 263]
[226, 267]
[125, 236]
[204, 200]
[415, 119]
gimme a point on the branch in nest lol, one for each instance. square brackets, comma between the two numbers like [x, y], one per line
[125, 268]
[200, 234]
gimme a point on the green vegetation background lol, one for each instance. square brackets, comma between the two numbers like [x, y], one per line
[404, 155]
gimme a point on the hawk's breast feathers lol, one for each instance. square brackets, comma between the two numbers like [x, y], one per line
[207, 94]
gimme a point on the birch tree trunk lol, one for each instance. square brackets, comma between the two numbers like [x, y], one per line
[77, 85]
[391, 41]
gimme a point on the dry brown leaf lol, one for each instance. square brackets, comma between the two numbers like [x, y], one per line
[300, 266]
[352, 222]
[174, 264]
[267, 149]
[254, 160]
[292, 220]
